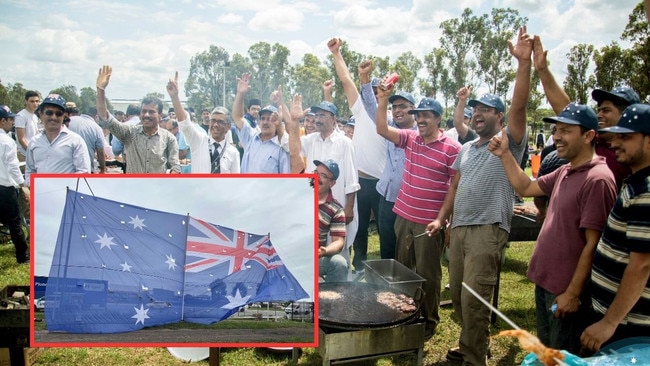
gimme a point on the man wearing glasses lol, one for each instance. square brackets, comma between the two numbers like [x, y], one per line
[482, 201]
[210, 153]
[331, 221]
[56, 149]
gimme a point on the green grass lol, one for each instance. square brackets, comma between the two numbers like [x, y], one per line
[516, 300]
[12, 273]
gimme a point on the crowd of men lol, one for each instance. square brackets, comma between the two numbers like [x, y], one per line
[394, 161]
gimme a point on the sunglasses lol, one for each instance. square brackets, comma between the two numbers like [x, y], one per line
[49, 113]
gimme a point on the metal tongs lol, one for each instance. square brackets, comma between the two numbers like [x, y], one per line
[506, 319]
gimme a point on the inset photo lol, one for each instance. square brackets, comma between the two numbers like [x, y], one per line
[173, 261]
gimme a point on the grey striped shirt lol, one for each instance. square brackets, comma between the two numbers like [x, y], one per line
[484, 195]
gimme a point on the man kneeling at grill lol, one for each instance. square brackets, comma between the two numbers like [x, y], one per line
[331, 220]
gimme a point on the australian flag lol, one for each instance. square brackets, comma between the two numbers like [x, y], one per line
[119, 268]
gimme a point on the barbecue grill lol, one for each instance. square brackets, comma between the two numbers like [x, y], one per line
[356, 326]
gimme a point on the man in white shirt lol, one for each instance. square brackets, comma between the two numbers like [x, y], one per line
[26, 122]
[10, 179]
[202, 146]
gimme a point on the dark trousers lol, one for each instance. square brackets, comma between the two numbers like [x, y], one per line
[367, 200]
[386, 229]
[10, 217]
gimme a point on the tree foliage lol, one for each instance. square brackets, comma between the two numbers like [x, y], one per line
[494, 60]
[638, 56]
[577, 82]
[204, 83]
[308, 78]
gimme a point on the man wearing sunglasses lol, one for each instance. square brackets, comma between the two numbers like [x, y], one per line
[56, 149]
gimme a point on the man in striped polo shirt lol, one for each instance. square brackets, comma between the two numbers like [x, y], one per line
[331, 221]
[621, 266]
[482, 202]
[427, 174]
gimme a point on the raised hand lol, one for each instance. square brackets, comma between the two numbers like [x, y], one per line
[276, 96]
[334, 44]
[365, 67]
[524, 47]
[172, 85]
[498, 144]
[464, 92]
[244, 83]
[328, 85]
[539, 55]
[296, 108]
[103, 77]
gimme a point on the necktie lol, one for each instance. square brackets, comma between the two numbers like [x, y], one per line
[216, 168]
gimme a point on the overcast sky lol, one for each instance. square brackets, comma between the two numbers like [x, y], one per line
[282, 206]
[54, 43]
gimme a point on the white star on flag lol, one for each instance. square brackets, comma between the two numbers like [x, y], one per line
[125, 267]
[171, 262]
[105, 241]
[137, 222]
[140, 315]
[235, 301]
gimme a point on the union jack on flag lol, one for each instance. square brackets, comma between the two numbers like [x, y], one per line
[209, 245]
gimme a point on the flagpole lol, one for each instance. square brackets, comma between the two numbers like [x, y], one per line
[187, 229]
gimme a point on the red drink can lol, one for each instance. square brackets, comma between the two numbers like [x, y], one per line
[390, 81]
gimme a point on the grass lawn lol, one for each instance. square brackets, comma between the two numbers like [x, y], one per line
[516, 301]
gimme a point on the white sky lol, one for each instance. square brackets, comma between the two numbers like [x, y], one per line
[282, 206]
[64, 42]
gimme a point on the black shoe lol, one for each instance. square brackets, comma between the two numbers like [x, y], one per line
[24, 259]
[454, 355]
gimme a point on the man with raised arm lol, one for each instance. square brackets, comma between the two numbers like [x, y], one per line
[427, 173]
[262, 150]
[482, 200]
[150, 149]
[370, 150]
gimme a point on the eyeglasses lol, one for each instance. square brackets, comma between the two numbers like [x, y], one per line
[323, 175]
[219, 121]
[321, 116]
[482, 109]
[49, 113]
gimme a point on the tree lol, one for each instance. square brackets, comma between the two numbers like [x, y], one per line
[204, 85]
[494, 59]
[460, 39]
[407, 66]
[269, 68]
[308, 78]
[15, 97]
[638, 58]
[576, 84]
[611, 69]
[436, 71]
[69, 93]
[88, 100]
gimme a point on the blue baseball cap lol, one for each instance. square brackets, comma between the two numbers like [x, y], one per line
[268, 109]
[331, 165]
[490, 100]
[576, 114]
[621, 95]
[325, 106]
[635, 118]
[402, 95]
[54, 99]
[375, 83]
[428, 104]
[467, 113]
[351, 121]
[5, 112]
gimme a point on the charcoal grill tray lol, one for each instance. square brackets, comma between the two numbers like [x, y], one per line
[358, 307]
